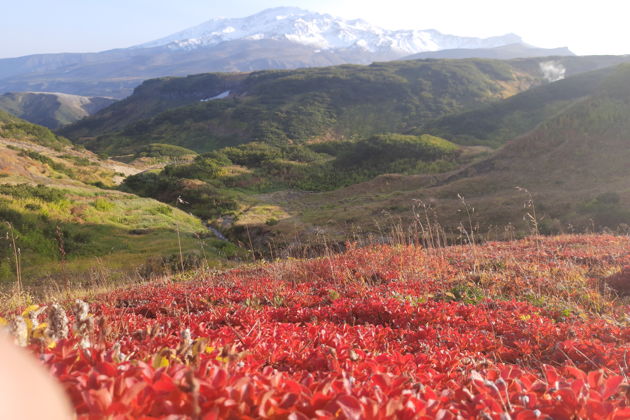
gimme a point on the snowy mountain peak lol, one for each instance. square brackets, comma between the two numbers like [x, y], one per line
[321, 31]
[283, 12]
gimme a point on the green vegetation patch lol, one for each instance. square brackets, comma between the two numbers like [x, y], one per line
[15, 128]
[216, 183]
[297, 106]
[65, 229]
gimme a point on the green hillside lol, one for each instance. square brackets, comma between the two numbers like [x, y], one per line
[12, 127]
[590, 140]
[225, 182]
[281, 107]
[574, 165]
[70, 224]
[288, 154]
[494, 124]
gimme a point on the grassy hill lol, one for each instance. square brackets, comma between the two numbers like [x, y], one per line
[224, 183]
[496, 123]
[572, 160]
[576, 161]
[51, 110]
[210, 111]
[574, 165]
[69, 224]
[12, 127]
[207, 112]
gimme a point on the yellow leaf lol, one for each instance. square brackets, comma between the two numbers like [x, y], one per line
[29, 309]
[161, 359]
[38, 332]
[160, 362]
[199, 345]
[3, 322]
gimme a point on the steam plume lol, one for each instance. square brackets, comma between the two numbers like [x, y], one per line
[552, 71]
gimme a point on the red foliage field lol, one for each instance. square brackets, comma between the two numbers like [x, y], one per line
[518, 330]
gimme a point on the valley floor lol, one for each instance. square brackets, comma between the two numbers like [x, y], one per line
[536, 328]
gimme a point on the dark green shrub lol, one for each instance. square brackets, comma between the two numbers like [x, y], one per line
[29, 191]
[382, 150]
[159, 150]
[610, 198]
[252, 154]
[202, 167]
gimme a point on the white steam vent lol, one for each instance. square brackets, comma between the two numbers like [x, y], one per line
[552, 70]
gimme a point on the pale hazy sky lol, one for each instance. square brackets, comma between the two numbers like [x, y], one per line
[45, 26]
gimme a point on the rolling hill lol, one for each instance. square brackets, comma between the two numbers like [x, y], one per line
[496, 123]
[572, 170]
[209, 111]
[71, 225]
[588, 141]
[52, 110]
[12, 127]
[503, 52]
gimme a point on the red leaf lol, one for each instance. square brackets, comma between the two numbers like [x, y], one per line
[622, 414]
[219, 379]
[551, 374]
[381, 380]
[164, 384]
[611, 387]
[595, 410]
[288, 400]
[526, 415]
[106, 369]
[595, 378]
[213, 414]
[350, 406]
[101, 397]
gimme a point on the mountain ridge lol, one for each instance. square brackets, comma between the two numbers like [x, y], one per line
[503, 52]
[323, 31]
[342, 101]
[298, 105]
[51, 109]
[318, 41]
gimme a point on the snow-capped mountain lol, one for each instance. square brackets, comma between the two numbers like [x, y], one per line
[280, 38]
[321, 31]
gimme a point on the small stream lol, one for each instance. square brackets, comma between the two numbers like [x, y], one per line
[217, 233]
